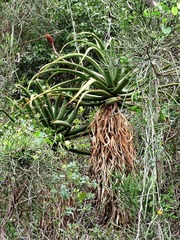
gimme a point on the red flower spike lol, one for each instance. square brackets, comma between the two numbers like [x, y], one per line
[49, 39]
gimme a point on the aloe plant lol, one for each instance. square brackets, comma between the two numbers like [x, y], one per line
[92, 81]
[51, 110]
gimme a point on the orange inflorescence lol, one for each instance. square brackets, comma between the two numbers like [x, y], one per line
[49, 38]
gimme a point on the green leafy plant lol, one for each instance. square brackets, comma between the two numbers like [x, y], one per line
[52, 111]
[94, 81]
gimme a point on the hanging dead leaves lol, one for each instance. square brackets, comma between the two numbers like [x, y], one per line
[112, 152]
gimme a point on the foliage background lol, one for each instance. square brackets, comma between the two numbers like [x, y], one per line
[40, 186]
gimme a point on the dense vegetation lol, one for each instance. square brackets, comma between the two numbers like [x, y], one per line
[89, 119]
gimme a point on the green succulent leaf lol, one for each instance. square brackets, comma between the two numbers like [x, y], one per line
[61, 123]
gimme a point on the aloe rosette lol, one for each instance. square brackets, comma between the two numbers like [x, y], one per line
[93, 81]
